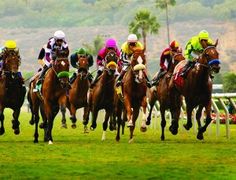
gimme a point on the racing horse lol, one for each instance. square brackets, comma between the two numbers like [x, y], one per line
[77, 97]
[12, 90]
[102, 94]
[54, 89]
[134, 91]
[197, 87]
[163, 94]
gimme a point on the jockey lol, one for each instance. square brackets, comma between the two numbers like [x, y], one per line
[126, 53]
[56, 42]
[9, 45]
[165, 61]
[109, 45]
[81, 52]
[194, 48]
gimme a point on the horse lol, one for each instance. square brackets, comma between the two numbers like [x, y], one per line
[163, 94]
[12, 90]
[54, 89]
[102, 94]
[197, 87]
[77, 97]
[134, 91]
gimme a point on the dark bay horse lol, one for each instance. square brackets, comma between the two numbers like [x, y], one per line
[77, 97]
[164, 95]
[54, 89]
[12, 91]
[134, 91]
[197, 87]
[102, 94]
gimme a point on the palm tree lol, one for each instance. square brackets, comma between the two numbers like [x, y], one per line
[144, 22]
[163, 4]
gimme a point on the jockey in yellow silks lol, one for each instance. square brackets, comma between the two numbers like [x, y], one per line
[194, 48]
[126, 53]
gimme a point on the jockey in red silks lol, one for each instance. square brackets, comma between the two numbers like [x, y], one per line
[165, 61]
[109, 45]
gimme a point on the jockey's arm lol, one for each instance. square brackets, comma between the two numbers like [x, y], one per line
[99, 60]
[188, 53]
[73, 60]
[162, 61]
[90, 59]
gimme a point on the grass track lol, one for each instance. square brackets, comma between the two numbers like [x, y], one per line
[75, 155]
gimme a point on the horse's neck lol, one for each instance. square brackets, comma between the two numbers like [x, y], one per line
[106, 78]
[51, 77]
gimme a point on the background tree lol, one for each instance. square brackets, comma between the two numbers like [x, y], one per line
[144, 22]
[229, 82]
[163, 4]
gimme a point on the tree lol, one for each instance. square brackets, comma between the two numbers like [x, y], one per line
[229, 82]
[163, 4]
[144, 22]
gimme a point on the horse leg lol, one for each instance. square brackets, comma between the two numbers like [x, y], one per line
[73, 116]
[63, 120]
[175, 113]
[208, 121]
[151, 103]
[2, 129]
[94, 118]
[36, 134]
[163, 123]
[112, 122]
[134, 118]
[86, 118]
[189, 116]
[129, 111]
[15, 121]
[198, 116]
[123, 122]
[104, 124]
[143, 127]
[119, 121]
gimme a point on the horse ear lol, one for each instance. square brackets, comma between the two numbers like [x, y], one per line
[216, 43]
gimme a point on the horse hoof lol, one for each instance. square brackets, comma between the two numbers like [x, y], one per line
[73, 126]
[117, 139]
[16, 131]
[41, 126]
[92, 128]
[174, 131]
[2, 131]
[200, 136]
[50, 142]
[187, 127]
[36, 141]
[148, 122]
[162, 138]
[31, 122]
[143, 129]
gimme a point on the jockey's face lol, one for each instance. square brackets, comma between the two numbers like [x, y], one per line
[81, 56]
[132, 44]
[110, 48]
[59, 42]
[174, 49]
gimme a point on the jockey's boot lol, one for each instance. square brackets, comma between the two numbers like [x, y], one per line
[40, 80]
[73, 77]
[90, 77]
[186, 68]
[157, 78]
[99, 72]
[148, 83]
[120, 77]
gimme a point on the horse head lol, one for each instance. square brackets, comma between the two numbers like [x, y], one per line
[138, 64]
[111, 60]
[176, 58]
[11, 61]
[83, 65]
[61, 68]
[210, 57]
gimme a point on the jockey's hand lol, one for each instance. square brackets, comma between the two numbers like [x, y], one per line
[52, 61]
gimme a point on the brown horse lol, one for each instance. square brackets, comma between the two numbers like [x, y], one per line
[197, 87]
[134, 91]
[54, 89]
[102, 95]
[164, 95]
[77, 97]
[12, 92]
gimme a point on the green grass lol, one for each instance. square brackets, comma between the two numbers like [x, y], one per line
[75, 155]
